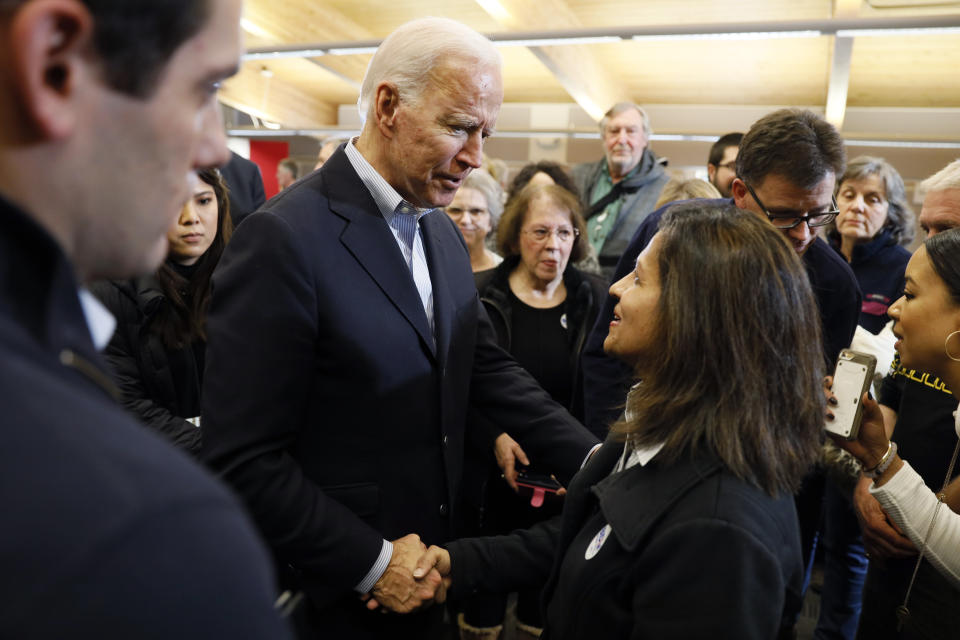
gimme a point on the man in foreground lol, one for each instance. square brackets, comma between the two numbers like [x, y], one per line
[106, 111]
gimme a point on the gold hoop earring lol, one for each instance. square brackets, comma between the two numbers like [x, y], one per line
[946, 347]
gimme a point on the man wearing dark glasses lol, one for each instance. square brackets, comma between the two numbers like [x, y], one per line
[787, 166]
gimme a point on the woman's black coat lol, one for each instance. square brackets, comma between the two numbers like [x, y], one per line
[143, 368]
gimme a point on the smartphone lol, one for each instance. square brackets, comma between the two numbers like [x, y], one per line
[851, 380]
[537, 486]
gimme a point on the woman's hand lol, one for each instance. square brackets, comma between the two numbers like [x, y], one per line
[872, 442]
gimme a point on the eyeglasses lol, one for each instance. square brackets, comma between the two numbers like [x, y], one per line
[456, 212]
[732, 165]
[789, 221]
[540, 234]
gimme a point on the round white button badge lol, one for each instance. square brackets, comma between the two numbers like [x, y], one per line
[594, 547]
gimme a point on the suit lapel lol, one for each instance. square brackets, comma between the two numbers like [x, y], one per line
[369, 239]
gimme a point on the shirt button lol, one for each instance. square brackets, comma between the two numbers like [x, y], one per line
[445, 440]
[443, 509]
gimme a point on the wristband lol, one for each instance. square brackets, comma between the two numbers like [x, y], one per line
[884, 463]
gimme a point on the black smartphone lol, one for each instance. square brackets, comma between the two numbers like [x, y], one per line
[537, 486]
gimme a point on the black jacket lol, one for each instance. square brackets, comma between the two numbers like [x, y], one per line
[585, 294]
[693, 552]
[144, 368]
[107, 532]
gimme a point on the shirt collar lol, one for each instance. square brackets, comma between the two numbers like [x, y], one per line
[100, 321]
[384, 195]
[633, 455]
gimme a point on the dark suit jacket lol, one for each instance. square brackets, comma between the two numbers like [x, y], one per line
[326, 402]
[107, 532]
[244, 187]
[693, 552]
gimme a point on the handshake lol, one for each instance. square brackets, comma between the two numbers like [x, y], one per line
[415, 578]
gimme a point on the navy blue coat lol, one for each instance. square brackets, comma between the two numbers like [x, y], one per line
[326, 402]
[107, 531]
[879, 266]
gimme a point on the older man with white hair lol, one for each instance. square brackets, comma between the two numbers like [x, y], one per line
[346, 340]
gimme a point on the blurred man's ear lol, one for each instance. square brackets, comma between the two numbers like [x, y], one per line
[49, 50]
[738, 189]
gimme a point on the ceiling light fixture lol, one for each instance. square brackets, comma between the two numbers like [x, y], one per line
[553, 42]
[923, 25]
[351, 51]
[293, 53]
[738, 35]
[922, 31]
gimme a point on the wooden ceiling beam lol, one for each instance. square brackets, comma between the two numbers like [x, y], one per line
[576, 67]
[838, 82]
[275, 22]
[252, 92]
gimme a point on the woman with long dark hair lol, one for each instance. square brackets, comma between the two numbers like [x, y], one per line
[683, 525]
[157, 350]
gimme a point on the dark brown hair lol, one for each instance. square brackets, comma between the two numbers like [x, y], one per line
[508, 231]
[740, 369]
[135, 39]
[184, 317]
[794, 143]
[720, 147]
[557, 172]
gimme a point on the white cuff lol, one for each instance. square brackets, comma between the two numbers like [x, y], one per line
[377, 570]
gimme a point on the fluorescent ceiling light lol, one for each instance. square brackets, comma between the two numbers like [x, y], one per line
[550, 42]
[743, 35]
[530, 133]
[350, 51]
[920, 31]
[495, 9]
[903, 143]
[274, 55]
[256, 30]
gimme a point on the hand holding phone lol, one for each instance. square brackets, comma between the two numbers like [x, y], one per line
[851, 380]
[538, 485]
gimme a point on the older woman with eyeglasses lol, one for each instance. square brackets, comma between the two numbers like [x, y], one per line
[874, 225]
[476, 209]
[542, 309]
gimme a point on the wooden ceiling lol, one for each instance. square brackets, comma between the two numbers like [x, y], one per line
[909, 72]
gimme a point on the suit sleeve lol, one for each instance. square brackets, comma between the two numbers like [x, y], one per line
[606, 380]
[511, 399]
[261, 354]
